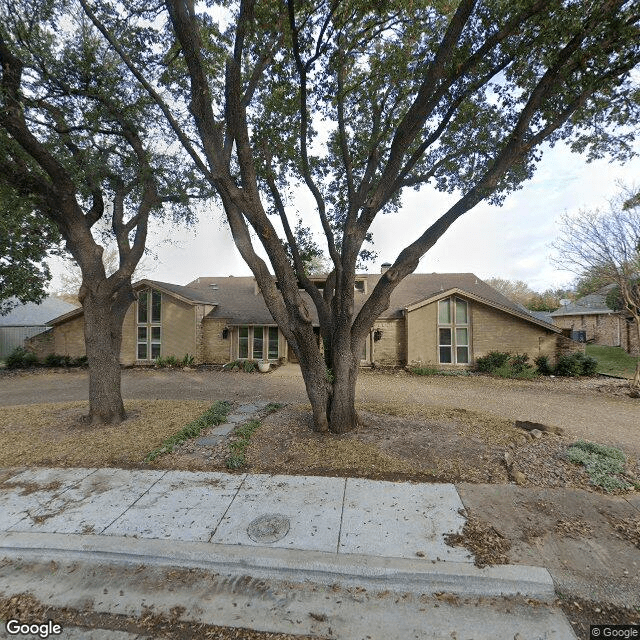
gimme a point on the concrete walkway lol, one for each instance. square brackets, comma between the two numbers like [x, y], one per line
[332, 533]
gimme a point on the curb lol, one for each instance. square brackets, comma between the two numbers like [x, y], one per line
[373, 573]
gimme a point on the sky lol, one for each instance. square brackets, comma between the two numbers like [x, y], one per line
[512, 241]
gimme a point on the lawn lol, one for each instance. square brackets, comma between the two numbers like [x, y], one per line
[613, 361]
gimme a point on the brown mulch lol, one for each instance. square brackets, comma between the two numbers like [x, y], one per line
[583, 613]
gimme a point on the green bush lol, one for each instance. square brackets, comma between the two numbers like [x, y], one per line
[187, 360]
[55, 360]
[543, 366]
[20, 358]
[505, 365]
[492, 361]
[249, 366]
[603, 464]
[576, 364]
[424, 371]
[80, 361]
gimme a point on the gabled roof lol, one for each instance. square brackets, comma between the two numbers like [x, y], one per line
[594, 303]
[40, 315]
[237, 300]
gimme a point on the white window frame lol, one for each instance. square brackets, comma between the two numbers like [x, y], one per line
[452, 326]
[266, 330]
[149, 326]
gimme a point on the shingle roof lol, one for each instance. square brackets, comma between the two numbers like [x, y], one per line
[594, 303]
[239, 301]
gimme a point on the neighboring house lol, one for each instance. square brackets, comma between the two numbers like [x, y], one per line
[434, 319]
[26, 320]
[598, 323]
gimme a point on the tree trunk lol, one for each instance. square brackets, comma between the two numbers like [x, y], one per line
[342, 410]
[103, 319]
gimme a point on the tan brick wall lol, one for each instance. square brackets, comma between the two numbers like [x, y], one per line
[214, 348]
[178, 328]
[128, 349]
[493, 330]
[392, 347]
[629, 335]
[421, 335]
[565, 346]
[68, 338]
[604, 329]
[42, 344]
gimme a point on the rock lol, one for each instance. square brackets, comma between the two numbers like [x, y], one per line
[536, 433]
[634, 393]
[518, 477]
[508, 459]
[530, 426]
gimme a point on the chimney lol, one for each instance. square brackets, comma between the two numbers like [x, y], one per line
[384, 267]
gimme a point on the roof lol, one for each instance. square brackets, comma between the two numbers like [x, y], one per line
[594, 303]
[36, 315]
[238, 300]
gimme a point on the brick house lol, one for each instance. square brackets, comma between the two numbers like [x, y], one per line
[601, 324]
[444, 320]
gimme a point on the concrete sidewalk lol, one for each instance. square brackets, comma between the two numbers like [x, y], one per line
[333, 533]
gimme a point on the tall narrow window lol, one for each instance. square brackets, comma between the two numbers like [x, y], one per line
[453, 340]
[149, 326]
[258, 343]
[243, 342]
[273, 343]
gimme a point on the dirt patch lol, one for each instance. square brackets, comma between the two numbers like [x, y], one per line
[588, 541]
[27, 488]
[583, 613]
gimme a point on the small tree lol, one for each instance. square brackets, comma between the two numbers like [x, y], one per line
[605, 245]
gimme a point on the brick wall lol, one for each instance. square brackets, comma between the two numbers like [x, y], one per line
[42, 344]
[601, 328]
[214, 348]
[565, 346]
[390, 350]
[493, 330]
[68, 338]
[629, 340]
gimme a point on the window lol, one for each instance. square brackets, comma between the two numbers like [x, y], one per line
[453, 340]
[149, 329]
[258, 343]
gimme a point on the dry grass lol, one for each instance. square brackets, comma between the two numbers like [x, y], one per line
[55, 433]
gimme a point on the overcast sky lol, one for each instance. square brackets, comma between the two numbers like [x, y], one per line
[512, 241]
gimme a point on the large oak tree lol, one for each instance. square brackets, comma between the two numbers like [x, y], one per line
[78, 144]
[356, 100]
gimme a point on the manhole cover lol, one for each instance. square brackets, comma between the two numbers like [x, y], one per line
[270, 527]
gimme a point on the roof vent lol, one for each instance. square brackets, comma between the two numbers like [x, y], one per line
[565, 302]
[384, 267]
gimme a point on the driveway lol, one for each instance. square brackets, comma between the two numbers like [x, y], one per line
[594, 409]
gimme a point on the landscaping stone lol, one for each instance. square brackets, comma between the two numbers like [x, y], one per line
[536, 433]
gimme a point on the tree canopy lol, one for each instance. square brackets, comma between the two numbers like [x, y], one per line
[27, 238]
[355, 101]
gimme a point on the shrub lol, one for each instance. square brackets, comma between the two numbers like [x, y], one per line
[492, 361]
[543, 366]
[603, 464]
[519, 363]
[424, 371]
[54, 360]
[576, 364]
[249, 366]
[187, 360]
[30, 359]
[80, 361]
[20, 358]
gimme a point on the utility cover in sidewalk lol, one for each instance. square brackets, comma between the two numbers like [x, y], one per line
[270, 527]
